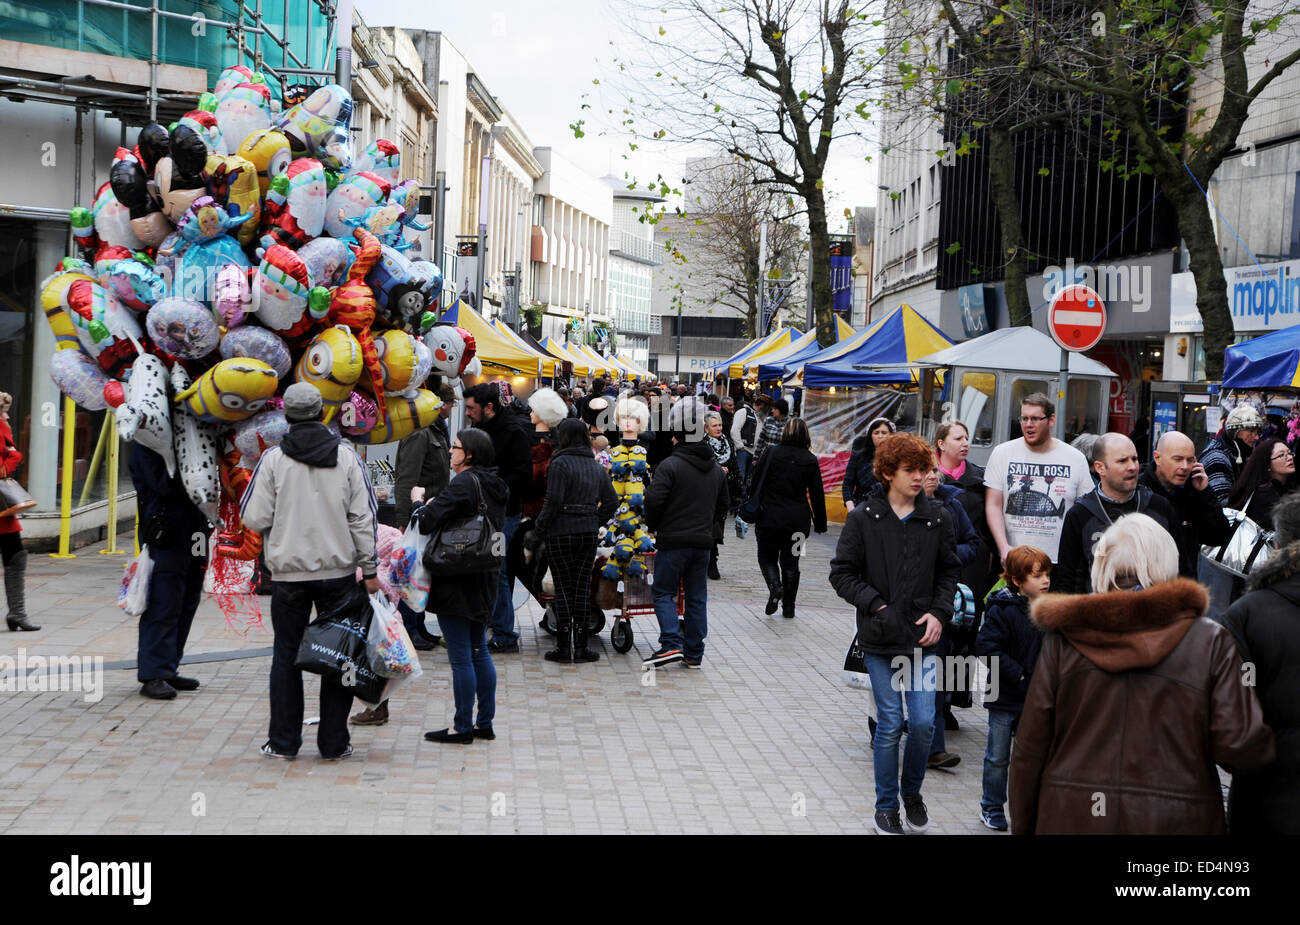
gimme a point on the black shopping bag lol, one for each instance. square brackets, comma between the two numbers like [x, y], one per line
[855, 667]
[334, 647]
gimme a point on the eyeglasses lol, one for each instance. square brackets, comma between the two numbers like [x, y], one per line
[1286, 454]
[457, 446]
[1027, 420]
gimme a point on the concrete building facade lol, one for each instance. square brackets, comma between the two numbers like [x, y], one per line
[633, 255]
[572, 217]
[391, 101]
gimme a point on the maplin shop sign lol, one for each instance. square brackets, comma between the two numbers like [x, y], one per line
[1264, 297]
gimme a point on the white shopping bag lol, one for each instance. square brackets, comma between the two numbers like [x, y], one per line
[133, 596]
[406, 571]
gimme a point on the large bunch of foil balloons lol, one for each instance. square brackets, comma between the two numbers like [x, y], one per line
[235, 252]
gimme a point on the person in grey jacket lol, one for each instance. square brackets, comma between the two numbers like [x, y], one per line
[313, 495]
[579, 498]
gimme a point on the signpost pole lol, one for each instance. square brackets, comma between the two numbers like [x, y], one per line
[1064, 390]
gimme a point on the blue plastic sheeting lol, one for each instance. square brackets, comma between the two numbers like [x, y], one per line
[1268, 362]
[888, 345]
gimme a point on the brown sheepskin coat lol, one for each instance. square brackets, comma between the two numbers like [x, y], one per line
[1136, 697]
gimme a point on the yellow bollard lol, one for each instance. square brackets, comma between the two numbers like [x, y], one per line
[137, 527]
[95, 460]
[65, 499]
[110, 426]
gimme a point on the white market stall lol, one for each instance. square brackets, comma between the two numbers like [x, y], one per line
[987, 377]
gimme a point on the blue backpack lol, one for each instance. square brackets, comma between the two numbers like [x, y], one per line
[963, 607]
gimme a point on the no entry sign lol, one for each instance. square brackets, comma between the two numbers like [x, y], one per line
[1076, 318]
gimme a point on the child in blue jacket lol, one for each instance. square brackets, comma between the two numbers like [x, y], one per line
[1011, 642]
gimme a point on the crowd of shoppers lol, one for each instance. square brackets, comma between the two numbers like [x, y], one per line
[1070, 575]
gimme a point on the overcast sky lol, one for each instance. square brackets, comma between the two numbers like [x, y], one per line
[540, 58]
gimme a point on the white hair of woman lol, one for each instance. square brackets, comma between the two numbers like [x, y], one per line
[1134, 550]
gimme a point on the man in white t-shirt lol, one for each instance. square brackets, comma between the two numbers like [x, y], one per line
[1032, 481]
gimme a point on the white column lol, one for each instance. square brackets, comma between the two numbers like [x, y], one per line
[46, 404]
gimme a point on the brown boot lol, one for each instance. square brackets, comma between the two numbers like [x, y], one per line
[375, 716]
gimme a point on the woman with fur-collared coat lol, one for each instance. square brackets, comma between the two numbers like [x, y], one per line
[1135, 698]
[1266, 625]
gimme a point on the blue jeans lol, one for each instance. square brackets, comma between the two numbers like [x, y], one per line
[673, 568]
[503, 613]
[744, 462]
[912, 681]
[472, 673]
[997, 757]
[941, 650]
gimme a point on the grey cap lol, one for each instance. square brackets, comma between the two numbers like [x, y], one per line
[302, 402]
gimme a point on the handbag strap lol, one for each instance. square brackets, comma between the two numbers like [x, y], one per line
[478, 487]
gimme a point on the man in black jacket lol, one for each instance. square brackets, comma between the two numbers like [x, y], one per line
[1115, 460]
[687, 494]
[1176, 476]
[514, 462]
[176, 533]
[896, 563]
[1266, 626]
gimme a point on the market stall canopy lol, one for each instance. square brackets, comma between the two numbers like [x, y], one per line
[774, 365]
[624, 371]
[1268, 362]
[502, 328]
[735, 367]
[1020, 348]
[903, 336]
[641, 374]
[599, 365]
[581, 365]
[498, 353]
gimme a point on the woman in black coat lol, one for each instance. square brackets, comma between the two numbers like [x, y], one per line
[859, 477]
[724, 451]
[579, 498]
[464, 603]
[980, 573]
[791, 499]
[1266, 626]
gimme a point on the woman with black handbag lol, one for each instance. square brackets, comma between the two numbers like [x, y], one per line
[466, 521]
[579, 498]
[11, 537]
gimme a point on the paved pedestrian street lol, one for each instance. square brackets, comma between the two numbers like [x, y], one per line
[764, 739]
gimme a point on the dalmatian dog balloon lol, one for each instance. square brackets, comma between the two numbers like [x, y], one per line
[198, 452]
[145, 416]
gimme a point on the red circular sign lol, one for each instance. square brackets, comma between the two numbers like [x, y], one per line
[1076, 318]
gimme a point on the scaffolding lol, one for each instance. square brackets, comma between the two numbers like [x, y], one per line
[253, 39]
[257, 43]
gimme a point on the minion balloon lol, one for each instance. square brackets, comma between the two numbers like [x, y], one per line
[403, 417]
[230, 391]
[332, 363]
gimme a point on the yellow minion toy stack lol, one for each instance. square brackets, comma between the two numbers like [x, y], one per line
[630, 471]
